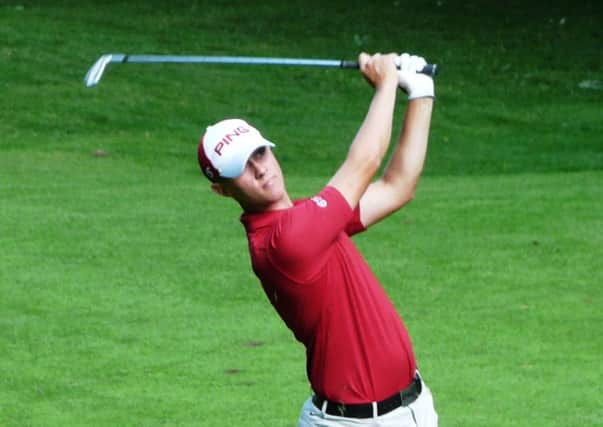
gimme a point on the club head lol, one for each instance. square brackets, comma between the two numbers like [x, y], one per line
[95, 72]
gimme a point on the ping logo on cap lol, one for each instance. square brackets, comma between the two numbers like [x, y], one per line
[227, 139]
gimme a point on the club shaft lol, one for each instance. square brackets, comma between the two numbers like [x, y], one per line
[246, 60]
[96, 71]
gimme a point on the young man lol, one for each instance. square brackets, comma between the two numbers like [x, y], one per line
[360, 360]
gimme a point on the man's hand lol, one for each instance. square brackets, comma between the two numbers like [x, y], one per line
[416, 85]
[378, 69]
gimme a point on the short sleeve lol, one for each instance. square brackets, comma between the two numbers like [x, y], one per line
[301, 241]
[355, 225]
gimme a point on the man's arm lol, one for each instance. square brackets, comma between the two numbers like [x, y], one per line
[398, 184]
[401, 177]
[370, 144]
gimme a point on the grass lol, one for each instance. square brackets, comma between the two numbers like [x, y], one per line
[126, 296]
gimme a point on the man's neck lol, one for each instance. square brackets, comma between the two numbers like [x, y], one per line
[284, 203]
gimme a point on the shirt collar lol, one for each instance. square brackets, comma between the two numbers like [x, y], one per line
[255, 221]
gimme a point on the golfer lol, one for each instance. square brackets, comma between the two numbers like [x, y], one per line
[360, 360]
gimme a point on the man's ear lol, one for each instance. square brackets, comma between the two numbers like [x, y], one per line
[217, 188]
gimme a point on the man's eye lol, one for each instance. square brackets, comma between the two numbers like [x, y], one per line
[259, 152]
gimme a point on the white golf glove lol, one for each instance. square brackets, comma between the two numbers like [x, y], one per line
[416, 85]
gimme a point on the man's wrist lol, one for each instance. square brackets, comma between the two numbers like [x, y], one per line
[421, 87]
[389, 84]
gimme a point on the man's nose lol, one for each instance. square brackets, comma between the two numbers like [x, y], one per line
[258, 168]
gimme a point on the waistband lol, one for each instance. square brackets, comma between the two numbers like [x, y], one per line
[365, 410]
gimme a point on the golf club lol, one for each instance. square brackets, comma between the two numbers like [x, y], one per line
[95, 73]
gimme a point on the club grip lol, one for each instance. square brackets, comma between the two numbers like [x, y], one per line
[349, 64]
[431, 70]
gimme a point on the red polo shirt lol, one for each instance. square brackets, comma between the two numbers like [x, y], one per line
[357, 347]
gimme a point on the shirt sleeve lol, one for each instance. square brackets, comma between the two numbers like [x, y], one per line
[301, 240]
[355, 225]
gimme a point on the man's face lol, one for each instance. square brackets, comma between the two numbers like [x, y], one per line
[261, 186]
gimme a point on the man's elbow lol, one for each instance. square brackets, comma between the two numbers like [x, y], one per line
[405, 193]
[365, 166]
[405, 199]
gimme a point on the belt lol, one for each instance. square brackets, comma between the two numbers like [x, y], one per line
[365, 410]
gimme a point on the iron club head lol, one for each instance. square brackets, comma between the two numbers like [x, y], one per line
[95, 72]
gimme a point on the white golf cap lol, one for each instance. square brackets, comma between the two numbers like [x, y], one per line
[226, 146]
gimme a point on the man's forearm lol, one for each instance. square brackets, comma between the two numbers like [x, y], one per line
[368, 148]
[374, 135]
[408, 157]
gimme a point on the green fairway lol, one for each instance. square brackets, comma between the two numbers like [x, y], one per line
[126, 294]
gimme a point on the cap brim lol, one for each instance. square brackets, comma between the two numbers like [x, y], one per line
[238, 166]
